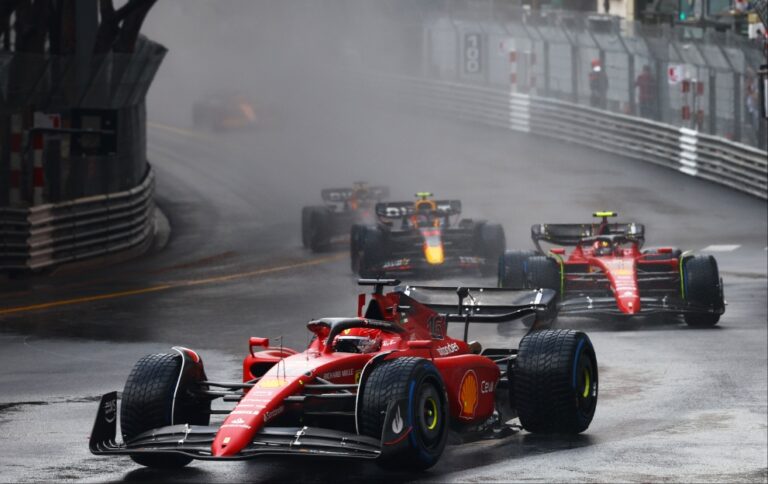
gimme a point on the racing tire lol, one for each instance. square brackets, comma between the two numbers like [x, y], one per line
[356, 235]
[491, 245]
[701, 281]
[554, 381]
[148, 403]
[418, 381]
[543, 273]
[316, 229]
[512, 266]
[372, 251]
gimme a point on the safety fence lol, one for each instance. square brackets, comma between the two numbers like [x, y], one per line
[51, 234]
[688, 151]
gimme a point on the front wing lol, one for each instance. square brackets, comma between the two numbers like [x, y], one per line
[574, 305]
[195, 440]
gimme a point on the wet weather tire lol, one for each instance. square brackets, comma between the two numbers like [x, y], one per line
[555, 381]
[417, 381]
[315, 228]
[512, 266]
[372, 250]
[543, 273]
[701, 280]
[492, 243]
[148, 403]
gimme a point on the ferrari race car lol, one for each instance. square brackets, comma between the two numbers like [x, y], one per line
[224, 111]
[389, 384]
[608, 272]
[422, 237]
[342, 208]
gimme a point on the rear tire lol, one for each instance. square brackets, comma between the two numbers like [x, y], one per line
[316, 229]
[701, 280]
[372, 251]
[555, 381]
[491, 245]
[356, 234]
[543, 273]
[512, 268]
[148, 403]
[418, 381]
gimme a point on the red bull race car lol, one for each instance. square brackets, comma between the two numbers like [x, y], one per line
[321, 225]
[608, 272]
[424, 237]
[389, 384]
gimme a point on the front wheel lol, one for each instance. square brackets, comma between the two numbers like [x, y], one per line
[554, 381]
[701, 282]
[422, 430]
[151, 399]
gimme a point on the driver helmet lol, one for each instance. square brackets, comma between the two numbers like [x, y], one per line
[602, 247]
[356, 344]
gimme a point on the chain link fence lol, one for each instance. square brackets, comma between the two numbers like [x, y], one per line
[704, 81]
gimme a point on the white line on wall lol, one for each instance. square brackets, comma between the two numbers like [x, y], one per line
[721, 248]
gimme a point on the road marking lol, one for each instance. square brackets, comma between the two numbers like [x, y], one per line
[720, 248]
[183, 132]
[170, 285]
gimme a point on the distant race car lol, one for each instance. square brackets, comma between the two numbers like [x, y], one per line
[389, 384]
[224, 111]
[607, 272]
[423, 237]
[343, 207]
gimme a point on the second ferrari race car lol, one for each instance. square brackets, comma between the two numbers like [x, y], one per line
[422, 237]
[389, 384]
[342, 208]
[608, 272]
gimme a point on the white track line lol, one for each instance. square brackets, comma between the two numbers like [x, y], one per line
[720, 248]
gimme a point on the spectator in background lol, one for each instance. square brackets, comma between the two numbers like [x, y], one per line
[598, 85]
[646, 93]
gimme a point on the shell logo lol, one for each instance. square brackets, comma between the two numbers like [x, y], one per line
[469, 395]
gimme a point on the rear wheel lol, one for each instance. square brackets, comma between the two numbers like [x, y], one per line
[315, 228]
[555, 381]
[372, 251]
[512, 268]
[543, 273]
[356, 234]
[701, 281]
[148, 403]
[491, 245]
[417, 381]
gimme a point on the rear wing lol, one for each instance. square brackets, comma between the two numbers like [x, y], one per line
[445, 208]
[340, 195]
[573, 234]
[482, 304]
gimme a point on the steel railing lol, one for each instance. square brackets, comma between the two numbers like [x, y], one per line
[700, 155]
[48, 235]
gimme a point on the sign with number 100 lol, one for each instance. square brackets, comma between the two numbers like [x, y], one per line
[472, 46]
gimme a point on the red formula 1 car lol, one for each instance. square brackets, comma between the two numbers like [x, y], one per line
[424, 237]
[389, 384]
[343, 207]
[608, 272]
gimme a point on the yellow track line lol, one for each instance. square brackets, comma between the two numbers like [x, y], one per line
[181, 131]
[172, 285]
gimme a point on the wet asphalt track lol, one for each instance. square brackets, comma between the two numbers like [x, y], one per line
[675, 404]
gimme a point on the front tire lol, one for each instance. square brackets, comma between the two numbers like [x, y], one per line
[148, 403]
[701, 280]
[555, 381]
[418, 381]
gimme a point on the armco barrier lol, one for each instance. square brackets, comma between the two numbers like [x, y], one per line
[52, 234]
[700, 155]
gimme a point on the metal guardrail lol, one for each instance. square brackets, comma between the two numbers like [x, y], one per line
[47, 235]
[700, 155]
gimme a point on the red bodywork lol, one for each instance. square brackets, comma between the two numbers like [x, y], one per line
[470, 379]
[590, 269]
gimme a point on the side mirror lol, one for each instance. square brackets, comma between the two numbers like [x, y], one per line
[253, 341]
